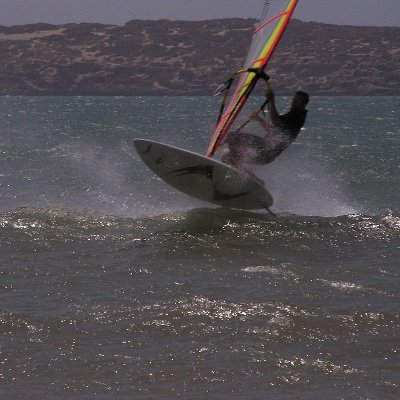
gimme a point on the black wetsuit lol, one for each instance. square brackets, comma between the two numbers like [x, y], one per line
[293, 121]
[264, 151]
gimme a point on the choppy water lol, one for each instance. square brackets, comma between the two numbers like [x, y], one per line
[114, 286]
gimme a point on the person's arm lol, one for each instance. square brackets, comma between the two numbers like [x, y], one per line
[260, 120]
[273, 112]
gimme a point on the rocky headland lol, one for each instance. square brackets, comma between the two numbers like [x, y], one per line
[192, 58]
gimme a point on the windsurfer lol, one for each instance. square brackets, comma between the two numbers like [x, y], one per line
[245, 148]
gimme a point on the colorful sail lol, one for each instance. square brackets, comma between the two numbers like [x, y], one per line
[275, 18]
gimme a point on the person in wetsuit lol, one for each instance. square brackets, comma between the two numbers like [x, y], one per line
[245, 148]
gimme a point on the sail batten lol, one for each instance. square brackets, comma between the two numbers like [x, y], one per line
[275, 18]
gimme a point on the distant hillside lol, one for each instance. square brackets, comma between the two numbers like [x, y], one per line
[191, 58]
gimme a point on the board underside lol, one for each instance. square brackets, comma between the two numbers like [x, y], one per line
[203, 178]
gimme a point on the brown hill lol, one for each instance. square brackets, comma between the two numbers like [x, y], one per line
[191, 58]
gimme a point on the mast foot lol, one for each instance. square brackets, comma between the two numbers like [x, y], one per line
[270, 212]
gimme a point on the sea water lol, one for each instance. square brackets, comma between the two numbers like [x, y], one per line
[115, 286]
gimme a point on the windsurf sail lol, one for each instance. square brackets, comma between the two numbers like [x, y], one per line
[274, 20]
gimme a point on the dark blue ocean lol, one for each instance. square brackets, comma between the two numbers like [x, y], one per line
[115, 286]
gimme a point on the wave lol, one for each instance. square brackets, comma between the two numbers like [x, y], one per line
[205, 215]
[44, 224]
[12, 323]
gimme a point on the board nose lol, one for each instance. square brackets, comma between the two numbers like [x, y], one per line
[142, 146]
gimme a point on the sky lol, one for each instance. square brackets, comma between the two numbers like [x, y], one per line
[347, 12]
